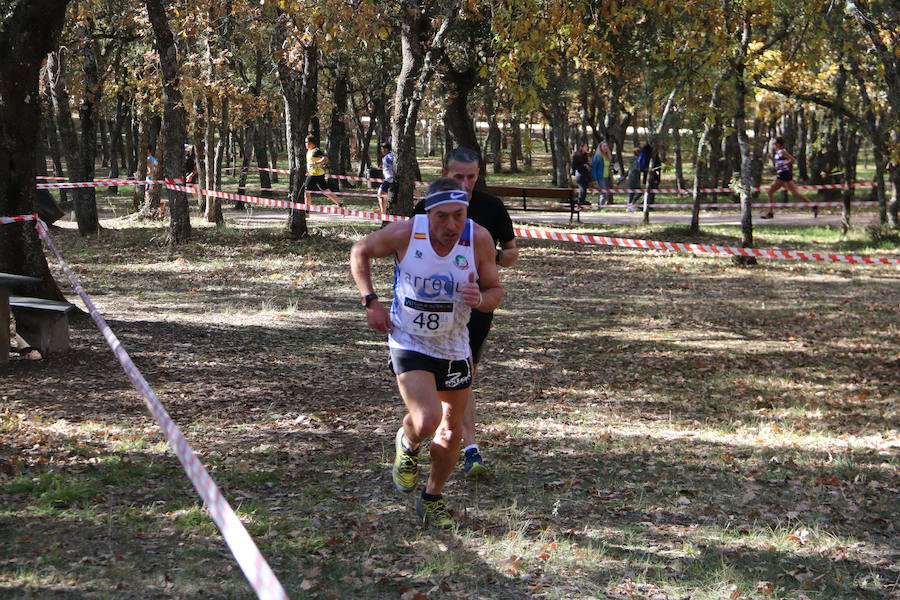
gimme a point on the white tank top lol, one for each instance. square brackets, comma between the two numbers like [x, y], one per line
[428, 313]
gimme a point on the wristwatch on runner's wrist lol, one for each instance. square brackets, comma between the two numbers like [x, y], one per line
[368, 299]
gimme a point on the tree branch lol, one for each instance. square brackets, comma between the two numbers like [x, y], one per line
[829, 103]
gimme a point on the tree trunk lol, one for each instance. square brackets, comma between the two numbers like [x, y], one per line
[86, 198]
[458, 123]
[116, 140]
[654, 175]
[419, 60]
[740, 114]
[30, 30]
[494, 135]
[63, 113]
[173, 130]
[337, 132]
[679, 171]
[299, 105]
[53, 138]
[143, 142]
[103, 131]
[802, 173]
[515, 146]
[271, 130]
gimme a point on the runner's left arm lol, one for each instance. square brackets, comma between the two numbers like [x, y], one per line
[488, 276]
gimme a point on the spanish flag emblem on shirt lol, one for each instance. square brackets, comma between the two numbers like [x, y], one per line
[420, 236]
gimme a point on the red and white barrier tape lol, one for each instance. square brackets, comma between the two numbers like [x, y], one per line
[104, 183]
[579, 238]
[248, 556]
[725, 190]
[344, 177]
[17, 219]
[331, 210]
[719, 190]
[737, 205]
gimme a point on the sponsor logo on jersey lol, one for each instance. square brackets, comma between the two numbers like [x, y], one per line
[461, 261]
[418, 254]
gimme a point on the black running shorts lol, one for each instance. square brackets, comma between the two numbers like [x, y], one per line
[315, 183]
[449, 375]
[785, 175]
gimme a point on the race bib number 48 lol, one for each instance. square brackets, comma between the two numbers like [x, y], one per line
[427, 318]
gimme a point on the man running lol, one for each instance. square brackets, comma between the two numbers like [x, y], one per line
[387, 168]
[315, 171]
[444, 267]
[489, 212]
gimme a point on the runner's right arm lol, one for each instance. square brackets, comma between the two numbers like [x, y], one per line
[393, 239]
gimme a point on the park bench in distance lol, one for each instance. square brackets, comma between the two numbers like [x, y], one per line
[43, 323]
[565, 197]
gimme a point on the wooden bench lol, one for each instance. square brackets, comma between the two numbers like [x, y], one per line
[43, 323]
[567, 196]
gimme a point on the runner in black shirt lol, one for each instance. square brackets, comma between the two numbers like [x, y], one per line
[489, 212]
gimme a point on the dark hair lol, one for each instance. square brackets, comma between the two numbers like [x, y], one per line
[443, 184]
[311, 139]
[779, 141]
[385, 145]
[460, 155]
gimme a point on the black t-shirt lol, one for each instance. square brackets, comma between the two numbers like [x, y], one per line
[580, 164]
[489, 212]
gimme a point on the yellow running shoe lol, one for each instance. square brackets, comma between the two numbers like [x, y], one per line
[434, 513]
[405, 471]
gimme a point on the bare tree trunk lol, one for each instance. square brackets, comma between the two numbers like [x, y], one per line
[740, 113]
[63, 113]
[458, 123]
[420, 55]
[53, 138]
[270, 131]
[30, 30]
[337, 131]
[299, 106]
[679, 171]
[515, 147]
[174, 132]
[86, 198]
[701, 167]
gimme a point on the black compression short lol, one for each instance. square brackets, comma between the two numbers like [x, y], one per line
[449, 375]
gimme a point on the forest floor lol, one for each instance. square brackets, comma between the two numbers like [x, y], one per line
[658, 426]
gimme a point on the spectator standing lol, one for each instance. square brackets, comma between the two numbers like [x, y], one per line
[602, 171]
[634, 180]
[581, 169]
[645, 155]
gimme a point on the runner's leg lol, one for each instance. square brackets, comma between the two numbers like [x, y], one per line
[445, 445]
[469, 416]
[776, 185]
[792, 188]
[423, 405]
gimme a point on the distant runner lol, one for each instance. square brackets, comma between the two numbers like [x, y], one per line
[315, 171]
[444, 267]
[784, 177]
